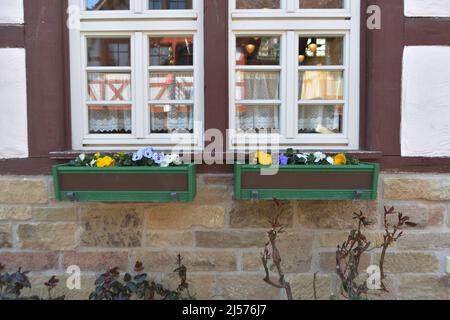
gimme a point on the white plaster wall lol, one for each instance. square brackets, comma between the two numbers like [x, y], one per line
[427, 8]
[13, 104]
[11, 11]
[426, 102]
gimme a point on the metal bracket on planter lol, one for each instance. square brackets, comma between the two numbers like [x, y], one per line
[174, 196]
[72, 196]
[255, 195]
[358, 195]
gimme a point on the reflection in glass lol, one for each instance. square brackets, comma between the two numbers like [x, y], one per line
[169, 4]
[104, 119]
[257, 4]
[321, 4]
[320, 119]
[108, 52]
[171, 86]
[96, 5]
[109, 86]
[321, 51]
[257, 118]
[171, 118]
[257, 85]
[321, 85]
[257, 51]
[171, 51]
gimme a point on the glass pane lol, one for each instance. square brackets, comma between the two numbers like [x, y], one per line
[258, 4]
[171, 86]
[321, 85]
[321, 4]
[257, 85]
[107, 5]
[109, 119]
[169, 4]
[257, 51]
[171, 119]
[257, 119]
[176, 51]
[109, 86]
[321, 51]
[320, 119]
[108, 52]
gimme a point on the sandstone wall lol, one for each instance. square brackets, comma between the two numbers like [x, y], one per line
[221, 240]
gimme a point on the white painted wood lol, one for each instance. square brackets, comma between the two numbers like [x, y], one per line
[11, 11]
[427, 8]
[138, 23]
[290, 22]
[425, 129]
[13, 105]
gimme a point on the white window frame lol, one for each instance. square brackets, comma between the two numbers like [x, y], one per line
[139, 24]
[290, 22]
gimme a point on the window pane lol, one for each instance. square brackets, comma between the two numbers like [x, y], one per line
[171, 119]
[108, 52]
[107, 4]
[257, 50]
[109, 86]
[321, 51]
[257, 119]
[320, 119]
[321, 85]
[171, 86]
[109, 119]
[258, 4]
[321, 4]
[176, 51]
[257, 85]
[169, 4]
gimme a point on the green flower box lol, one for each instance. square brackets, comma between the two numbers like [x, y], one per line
[307, 182]
[125, 184]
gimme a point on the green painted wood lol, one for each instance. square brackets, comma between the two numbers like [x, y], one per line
[126, 196]
[306, 194]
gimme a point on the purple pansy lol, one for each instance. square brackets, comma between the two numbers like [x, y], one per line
[148, 153]
[137, 156]
[158, 157]
[283, 160]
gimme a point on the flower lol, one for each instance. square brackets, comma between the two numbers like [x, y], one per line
[330, 160]
[93, 162]
[158, 158]
[137, 156]
[264, 159]
[319, 156]
[174, 159]
[82, 157]
[97, 155]
[106, 161]
[303, 156]
[283, 160]
[340, 159]
[148, 153]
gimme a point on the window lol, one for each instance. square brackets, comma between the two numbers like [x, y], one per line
[294, 73]
[137, 74]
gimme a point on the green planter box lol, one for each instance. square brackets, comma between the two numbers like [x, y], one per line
[125, 184]
[313, 182]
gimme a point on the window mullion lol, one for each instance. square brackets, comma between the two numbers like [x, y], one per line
[139, 72]
[291, 98]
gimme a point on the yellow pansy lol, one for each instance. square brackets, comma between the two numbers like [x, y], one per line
[106, 162]
[340, 159]
[97, 155]
[264, 159]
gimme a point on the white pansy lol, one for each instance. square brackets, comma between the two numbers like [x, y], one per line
[164, 164]
[175, 159]
[303, 156]
[319, 156]
[330, 160]
[82, 157]
[93, 162]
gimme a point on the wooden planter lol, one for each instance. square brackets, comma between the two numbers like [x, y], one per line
[125, 184]
[314, 182]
